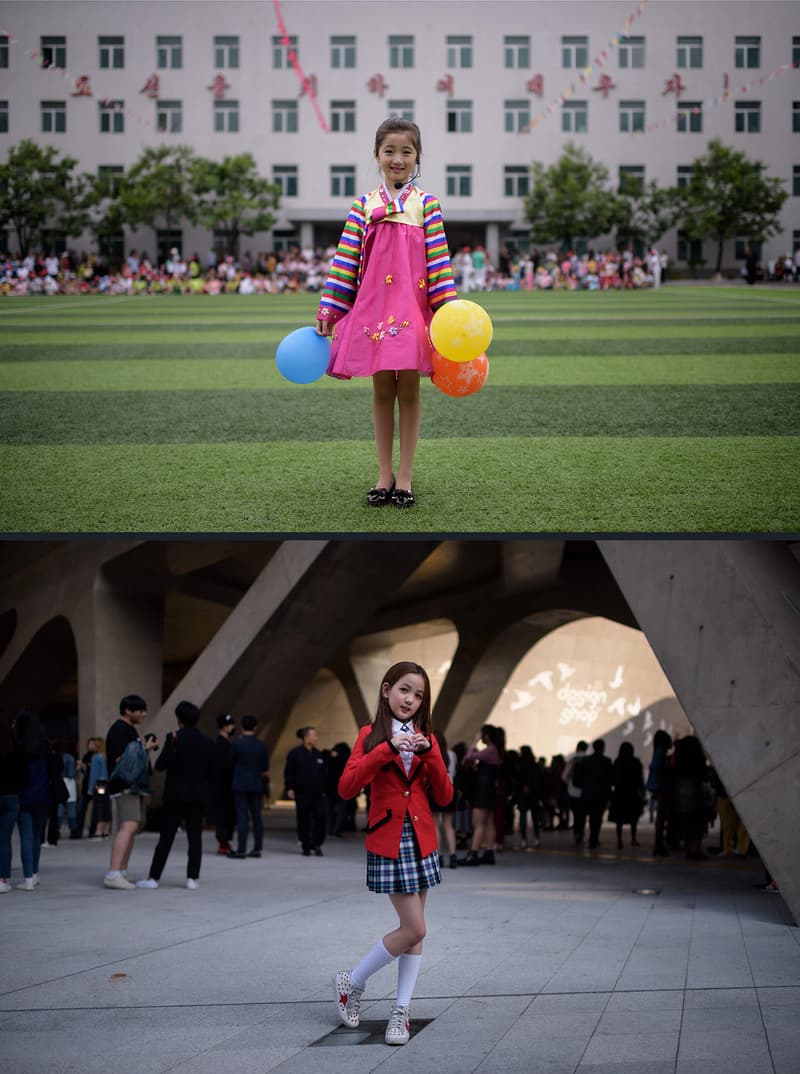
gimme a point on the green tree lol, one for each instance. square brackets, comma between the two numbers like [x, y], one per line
[570, 199]
[729, 196]
[156, 190]
[644, 212]
[232, 199]
[41, 191]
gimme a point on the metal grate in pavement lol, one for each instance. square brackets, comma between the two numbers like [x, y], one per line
[367, 1033]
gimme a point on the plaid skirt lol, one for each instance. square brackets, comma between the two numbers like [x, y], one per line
[408, 873]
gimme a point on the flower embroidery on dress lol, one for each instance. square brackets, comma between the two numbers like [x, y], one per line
[389, 328]
[421, 284]
[388, 279]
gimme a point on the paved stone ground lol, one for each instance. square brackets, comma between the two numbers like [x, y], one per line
[548, 963]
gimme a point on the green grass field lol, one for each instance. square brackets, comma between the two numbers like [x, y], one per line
[675, 411]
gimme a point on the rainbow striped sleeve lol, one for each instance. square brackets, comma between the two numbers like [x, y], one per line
[441, 286]
[339, 292]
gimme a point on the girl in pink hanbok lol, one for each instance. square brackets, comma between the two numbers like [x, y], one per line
[390, 274]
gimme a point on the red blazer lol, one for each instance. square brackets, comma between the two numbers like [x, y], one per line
[393, 793]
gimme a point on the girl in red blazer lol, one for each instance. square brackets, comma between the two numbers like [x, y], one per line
[400, 760]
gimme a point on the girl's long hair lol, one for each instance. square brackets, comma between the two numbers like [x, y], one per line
[382, 724]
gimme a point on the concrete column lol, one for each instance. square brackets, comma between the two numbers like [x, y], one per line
[306, 235]
[493, 242]
[723, 618]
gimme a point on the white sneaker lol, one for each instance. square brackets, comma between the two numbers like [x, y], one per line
[148, 883]
[26, 885]
[348, 999]
[36, 880]
[192, 885]
[537, 842]
[119, 883]
[4, 887]
[398, 1026]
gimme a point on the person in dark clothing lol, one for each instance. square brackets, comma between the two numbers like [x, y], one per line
[750, 264]
[13, 772]
[250, 769]
[337, 807]
[660, 785]
[84, 798]
[222, 808]
[128, 802]
[34, 795]
[304, 776]
[627, 798]
[690, 773]
[188, 759]
[596, 774]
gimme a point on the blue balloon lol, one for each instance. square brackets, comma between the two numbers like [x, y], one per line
[303, 355]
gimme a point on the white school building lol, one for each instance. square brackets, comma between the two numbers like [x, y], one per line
[494, 86]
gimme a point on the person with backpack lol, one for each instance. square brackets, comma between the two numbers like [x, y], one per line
[128, 785]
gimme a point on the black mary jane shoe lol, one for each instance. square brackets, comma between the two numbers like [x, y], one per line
[403, 498]
[379, 497]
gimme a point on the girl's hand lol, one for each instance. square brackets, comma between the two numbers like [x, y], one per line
[421, 744]
[324, 328]
[404, 743]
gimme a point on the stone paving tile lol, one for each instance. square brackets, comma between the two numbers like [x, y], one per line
[720, 997]
[707, 1043]
[639, 1067]
[635, 1022]
[646, 1001]
[631, 1048]
[746, 1064]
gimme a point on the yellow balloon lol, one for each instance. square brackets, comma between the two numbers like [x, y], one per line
[461, 330]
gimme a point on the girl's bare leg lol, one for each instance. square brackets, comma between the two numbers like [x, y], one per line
[384, 391]
[449, 832]
[478, 827]
[408, 936]
[408, 400]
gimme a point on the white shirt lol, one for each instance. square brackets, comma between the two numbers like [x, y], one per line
[397, 729]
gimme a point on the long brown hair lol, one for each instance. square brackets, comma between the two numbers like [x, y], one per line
[382, 724]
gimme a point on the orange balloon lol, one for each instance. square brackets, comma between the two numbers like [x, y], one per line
[459, 378]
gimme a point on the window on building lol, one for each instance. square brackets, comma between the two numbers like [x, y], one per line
[343, 116]
[53, 51]
[53, 241]
[795, 51]
[112, 52]
[280, 52]
[747, 52]
[516, 180]
[459, 180]
[226, 117]
[796, 117]
[748, 117]
[459, 117]
[690, 52]
[284, 239]
[459, 51]
[284, 117]
[631, 52]
[343, 52]
[690, 250]
[631, 179]
[4, 50]
[795, 180]
[401, 110]
[343, 181]
[574, 51]
[631, 116]
[690, 116]
[54, 117]
[112, 248]
[796, 241]
[684, 175]
[516, 116]
[110, 176]
[3, 117]
[401, 50]
[575, 117]
[112, 117]
[284, 176]
[517, 51]
[169, 52]
[740, 248]
[169, 116]
[226, 52]
[168, 239]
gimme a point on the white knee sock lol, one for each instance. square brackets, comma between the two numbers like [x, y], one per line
[375, 959]
[408, 967]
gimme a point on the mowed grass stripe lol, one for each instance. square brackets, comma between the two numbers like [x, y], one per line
[514, 485]
[289, 415]
[522, 346]
[203, 374]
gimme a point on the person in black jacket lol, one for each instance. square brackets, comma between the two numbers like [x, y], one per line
[304, 776]
[222, 807]
[188, 760]
[596, 782]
